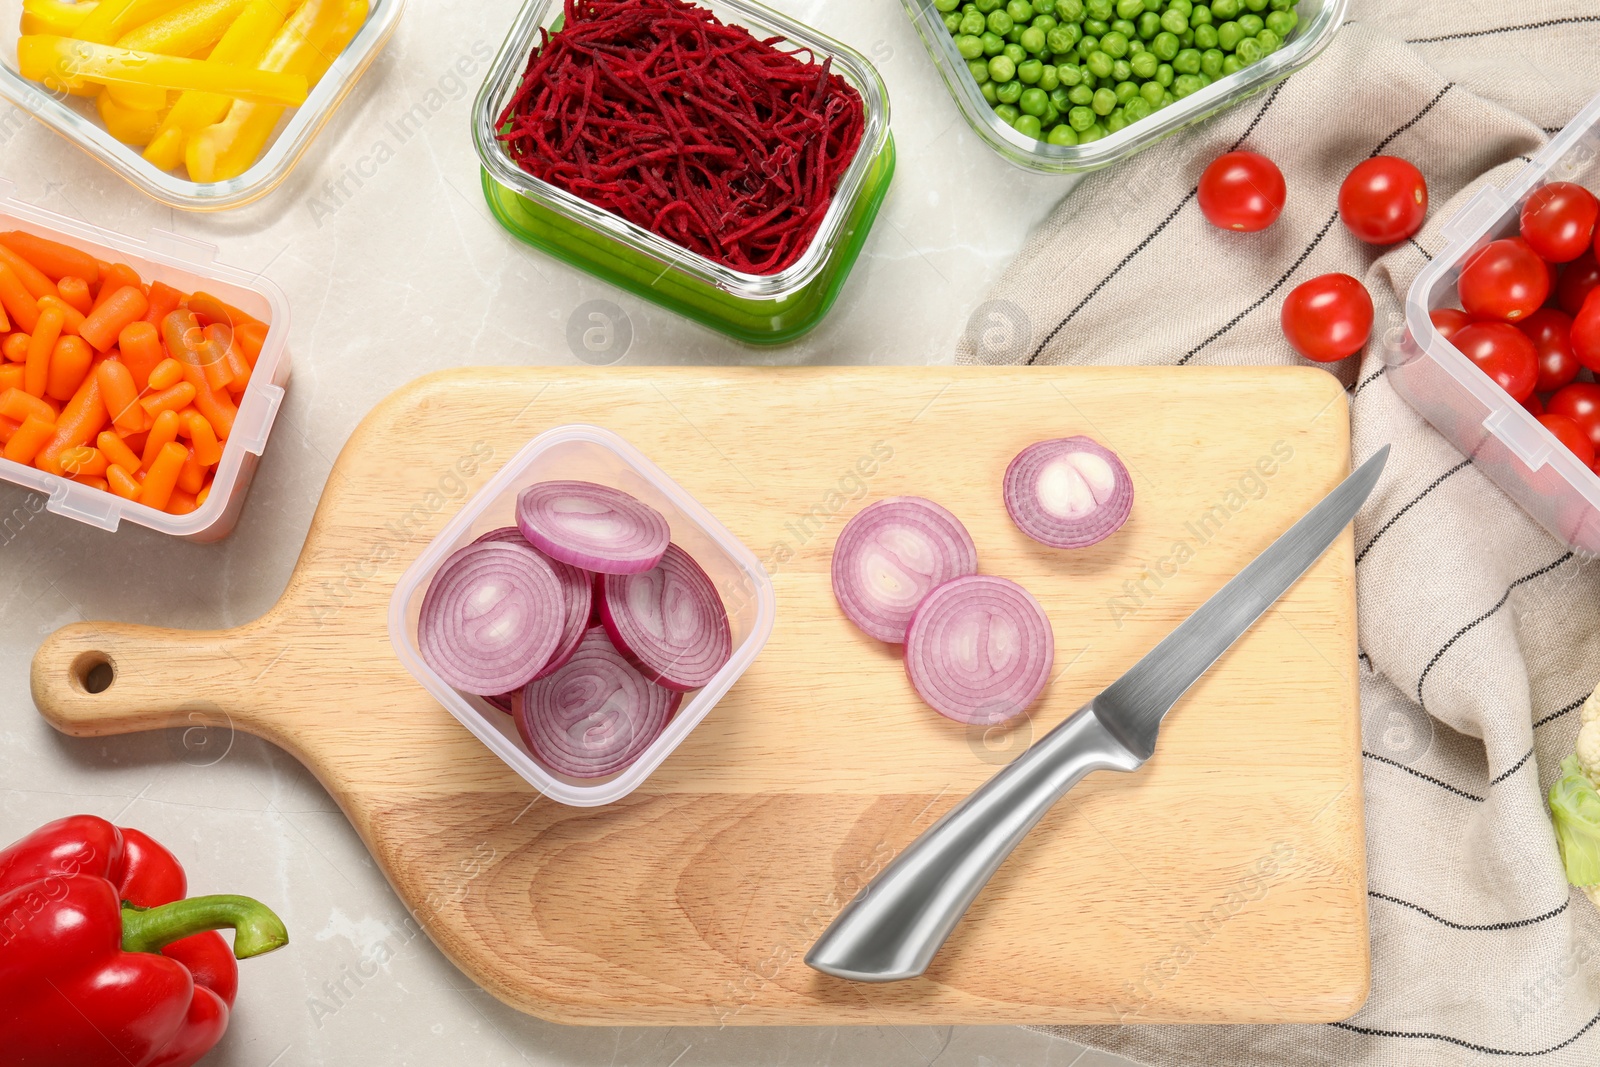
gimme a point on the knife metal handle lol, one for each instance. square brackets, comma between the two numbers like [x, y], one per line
[894, 926]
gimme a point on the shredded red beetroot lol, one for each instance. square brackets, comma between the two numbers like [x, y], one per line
[690, 128]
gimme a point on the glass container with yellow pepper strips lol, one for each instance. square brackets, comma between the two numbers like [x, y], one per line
[103, 961]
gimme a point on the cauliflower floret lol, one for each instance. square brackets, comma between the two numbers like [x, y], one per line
[1588, 749]
[1590, 712]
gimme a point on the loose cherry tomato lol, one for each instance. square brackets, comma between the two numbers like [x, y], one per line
[1570, 434]
[1242, 191]
[1504, 280]
[1558, 221]
[1328, 317]
[1579, 402]
[1550, 330]
[1585, 335]
[1449, 321]
[1578, 279]
[1504, 354]
[1534, 405]
[1383, 200]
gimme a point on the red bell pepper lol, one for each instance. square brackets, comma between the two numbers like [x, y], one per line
[103, 962]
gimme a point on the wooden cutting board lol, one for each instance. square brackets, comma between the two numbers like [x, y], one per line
[1223, 883]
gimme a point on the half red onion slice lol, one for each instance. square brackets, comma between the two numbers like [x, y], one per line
[669, 621]
[893, 553]
[592, 526]
[577, 586]
[1068, 493]
[980, 650]
[491, 618]
[595, 715]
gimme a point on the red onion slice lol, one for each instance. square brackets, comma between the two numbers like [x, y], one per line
[578, 587]
[1068, 493]
[980, 650]
[491, 618]
[595, 715]
[592, 526]
[669, 621]
[893, 553]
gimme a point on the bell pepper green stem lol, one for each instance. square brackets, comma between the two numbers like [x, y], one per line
[256, 929]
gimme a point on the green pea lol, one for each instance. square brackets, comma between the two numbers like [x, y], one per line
[1229, 34]
[1116, 121]
[1186, 39]
[993, 43]
[1062, 135]
[1129, 9]
[1002, 68]
[1007, 113]
[1069, 10]
[1087, 46]
[1014, 52]
[1114, 45]
[1125, 27]
[1223, 10]
[1282, 23]
[980, 70]
[1009, 92]
[1251, 24]
[1151, 93]
[1144, 64]
[1080, 118]
[987, 89]
[1121, 70]
[1126, 91]
[1231, 65]
[1033, 101]
[973, 24]
[1099, 64]
[1044, 23]
[1101, 9]
[1249, 51]
[1058, 98]
[952, 22]
[987, 6]
[1089, 80]
[1165, 46]
[1015, 35]
[1032, 40]
[1020, 11]
[1165, 74]
[1135, 46]
[1069, 75]
[1045, 7]
[1211, 62]
[1186, 62]
[1093, 133]
[946, 5]
[1149, 25]
[1136, 109]
[1049, 80]
[1255, 5]
[1029, 71]
[1205, 79]
[1000, 22]
[1268, 41]
[1080, 95]
[1058, 40]
[1105, 102]
[1205, 37]
[969, 46]
[1184, 85]
[1096, 27]
[1171, 21]
[1200, 16]
[1282, 5]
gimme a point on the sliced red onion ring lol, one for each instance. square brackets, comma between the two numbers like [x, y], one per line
[595, 715]
[578, 587]
[592, 526]
[893, 553]
[980, 650]
[491, 618]
[1068, 493]
[669, 621]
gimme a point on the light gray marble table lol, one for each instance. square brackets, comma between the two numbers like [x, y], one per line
[406, 274]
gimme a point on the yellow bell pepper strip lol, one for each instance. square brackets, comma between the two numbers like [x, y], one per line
[54, 16]
[112, 18]
[186, 30]
[61, 61]
[243, 45]
[308, 43]
[127, 125]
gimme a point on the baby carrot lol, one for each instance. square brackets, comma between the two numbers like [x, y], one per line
[114, 276]
[210, 309]
[163, 432]
[8, 428]
[11, 377]
[18, 302]
[75, 291]
[192, 478]
[162, 478]
[15, 347]
[218, 339]
[179, 330]
[78, 424]
[166, 374]
[72, 318]
[117, 451]
[69, 362]
[251, 336]
[18, 405]
[179, 396]
[122, 396]
[164, 300]
[181, 503]
[5, 323]
[33, 279]
[203, 495]
[29, 438]
[52, 257]
[140, 345]
[121, 482]
[126, 306]
[207, 449]
[84, 460]
[43, 342]
[92, 481]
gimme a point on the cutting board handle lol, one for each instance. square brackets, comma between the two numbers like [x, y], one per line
[96, 678]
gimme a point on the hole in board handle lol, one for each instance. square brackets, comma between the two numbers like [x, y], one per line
[92, 672]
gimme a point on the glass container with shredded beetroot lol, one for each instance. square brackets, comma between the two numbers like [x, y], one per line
[720, 142]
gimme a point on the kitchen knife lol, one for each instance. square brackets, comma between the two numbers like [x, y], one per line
[894, 926]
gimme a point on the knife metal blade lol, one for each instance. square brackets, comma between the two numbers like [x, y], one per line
[895, 926]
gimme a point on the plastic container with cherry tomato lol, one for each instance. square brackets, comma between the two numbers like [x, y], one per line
[1497, 352]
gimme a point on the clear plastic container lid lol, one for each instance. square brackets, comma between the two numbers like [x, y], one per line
[591, 454]
[74, 118]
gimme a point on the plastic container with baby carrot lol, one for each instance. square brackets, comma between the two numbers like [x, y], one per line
[163, 263]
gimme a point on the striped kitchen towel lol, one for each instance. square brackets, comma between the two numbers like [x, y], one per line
[1480, 634]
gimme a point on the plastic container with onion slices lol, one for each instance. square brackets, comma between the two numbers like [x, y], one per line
[757, 309]
[74, 118]
[1501, 437]
[186, 265]
[1319, 21]
[590, 453]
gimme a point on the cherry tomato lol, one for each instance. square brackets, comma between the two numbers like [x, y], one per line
[1504, 280]
[1504, 354]
[1558, 221]
[1570, 434]
[1242, 191]
[1585, 335]
[1449, 321]
[1579, 402]
[1550, 330]
[1383, 200]
[1578, 280]
[1328, 317]
[1534, 405]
